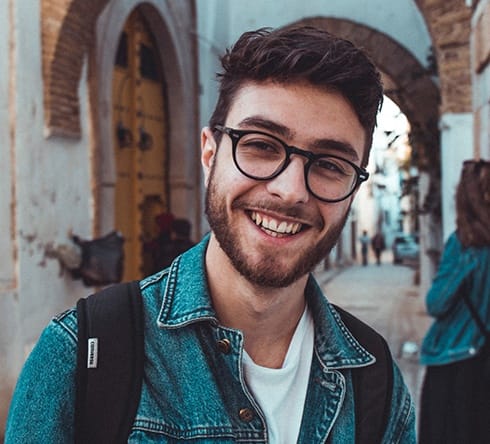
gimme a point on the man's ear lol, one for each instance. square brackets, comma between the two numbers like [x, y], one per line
[208, 152]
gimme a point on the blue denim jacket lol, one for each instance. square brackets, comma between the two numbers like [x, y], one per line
[454, 335]
[193, 388]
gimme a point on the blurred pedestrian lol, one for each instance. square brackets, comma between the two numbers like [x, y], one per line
[155, 246]
[378, 245]
[364, 239]
[455, 403]
[178, 242]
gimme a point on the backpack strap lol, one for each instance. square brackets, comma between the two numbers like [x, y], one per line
[373, 385]
[109, 364]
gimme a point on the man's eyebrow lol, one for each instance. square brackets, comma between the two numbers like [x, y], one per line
[266, 125]
[329, 145]
[337, 147]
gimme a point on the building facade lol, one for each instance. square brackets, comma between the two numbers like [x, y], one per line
[99, 130]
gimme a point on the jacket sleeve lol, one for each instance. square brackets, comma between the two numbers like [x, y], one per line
[401, 424]
[455, 266]
[42, 407]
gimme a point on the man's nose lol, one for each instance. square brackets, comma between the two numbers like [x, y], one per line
[290, 185]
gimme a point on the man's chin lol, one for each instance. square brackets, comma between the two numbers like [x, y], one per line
[270, 272]
[269, 280]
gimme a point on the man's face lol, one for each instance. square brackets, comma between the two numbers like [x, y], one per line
[275, 232]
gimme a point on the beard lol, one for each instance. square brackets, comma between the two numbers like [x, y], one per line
[268, 272]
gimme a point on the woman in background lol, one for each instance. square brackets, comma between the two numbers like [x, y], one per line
[455, 402]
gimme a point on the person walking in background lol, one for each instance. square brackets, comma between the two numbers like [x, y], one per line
[364, 239]
[378, 245]
[455, 400]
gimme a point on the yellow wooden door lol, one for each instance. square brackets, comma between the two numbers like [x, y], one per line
[140, 144]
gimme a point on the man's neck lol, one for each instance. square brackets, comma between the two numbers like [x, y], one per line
[266, 316]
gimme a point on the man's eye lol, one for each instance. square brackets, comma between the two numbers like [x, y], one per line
[330, 165]
[262, 145]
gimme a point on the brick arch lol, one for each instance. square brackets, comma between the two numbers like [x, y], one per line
[67, 33]
[406, 82]
[449, 24]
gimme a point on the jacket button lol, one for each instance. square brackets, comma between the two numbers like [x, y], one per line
[224, 346]
[246, 415]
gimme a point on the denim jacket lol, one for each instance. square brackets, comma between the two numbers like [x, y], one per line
[193, 388]
[454, 335]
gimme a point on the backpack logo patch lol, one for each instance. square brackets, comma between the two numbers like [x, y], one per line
[93, 351]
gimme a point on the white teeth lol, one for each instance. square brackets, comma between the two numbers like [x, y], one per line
[273, 226]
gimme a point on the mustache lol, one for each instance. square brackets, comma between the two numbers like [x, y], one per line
[293, 211]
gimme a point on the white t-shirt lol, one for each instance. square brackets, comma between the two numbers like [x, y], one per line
[281, 393]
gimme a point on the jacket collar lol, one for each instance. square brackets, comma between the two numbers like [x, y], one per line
[186, 300]
[335, 345]
[186, 297]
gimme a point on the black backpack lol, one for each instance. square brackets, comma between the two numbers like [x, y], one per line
[110, 369]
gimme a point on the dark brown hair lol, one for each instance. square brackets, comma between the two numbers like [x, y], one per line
[295, 54]
[473, 204]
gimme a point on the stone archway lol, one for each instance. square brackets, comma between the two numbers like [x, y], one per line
[177, 52]
[449, 24]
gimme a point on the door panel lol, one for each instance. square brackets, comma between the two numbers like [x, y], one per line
[140, 143]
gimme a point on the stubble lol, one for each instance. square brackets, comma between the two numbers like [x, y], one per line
[268, 272]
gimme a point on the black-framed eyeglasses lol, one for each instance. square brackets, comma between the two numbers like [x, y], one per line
[262, 156]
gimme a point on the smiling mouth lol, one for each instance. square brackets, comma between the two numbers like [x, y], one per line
[274, 227]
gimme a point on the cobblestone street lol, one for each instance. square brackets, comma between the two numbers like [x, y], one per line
[387, 299]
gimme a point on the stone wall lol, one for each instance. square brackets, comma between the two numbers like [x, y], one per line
[449, 25]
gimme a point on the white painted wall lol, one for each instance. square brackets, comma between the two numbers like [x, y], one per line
[43, 195]
[6, 163]
[46, 183]
[456, 146]
[481, 88]
[9, 315]
[52, 180]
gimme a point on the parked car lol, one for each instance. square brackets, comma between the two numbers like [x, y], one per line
[405, 249]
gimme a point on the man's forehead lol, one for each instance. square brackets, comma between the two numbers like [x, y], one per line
[299, 113]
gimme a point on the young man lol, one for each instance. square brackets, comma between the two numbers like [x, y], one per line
[240, 343]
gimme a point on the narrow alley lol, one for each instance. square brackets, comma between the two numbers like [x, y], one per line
[387, 299]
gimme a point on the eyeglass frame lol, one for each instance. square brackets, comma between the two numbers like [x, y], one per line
[235, 135]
